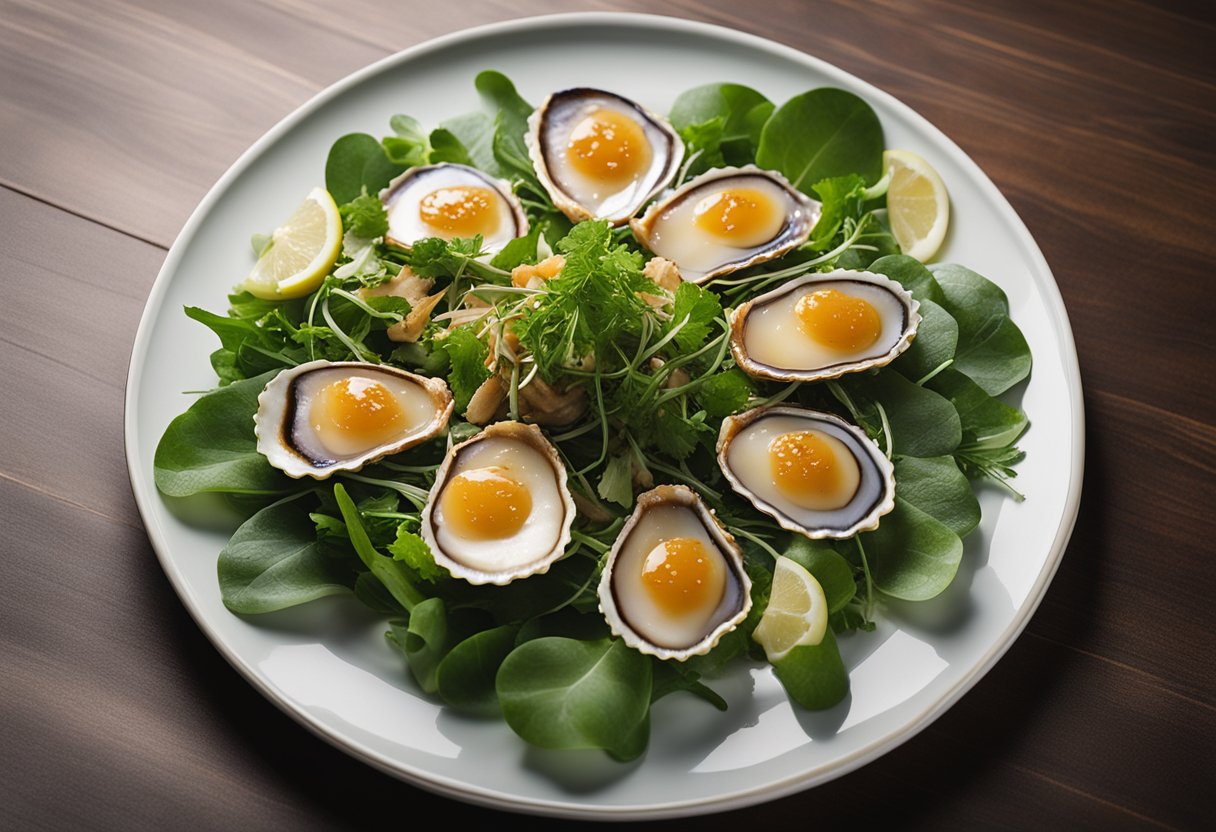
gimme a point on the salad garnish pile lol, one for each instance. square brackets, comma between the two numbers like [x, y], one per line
[591, 403]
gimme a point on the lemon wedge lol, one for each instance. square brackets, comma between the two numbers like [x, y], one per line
[797, 612]
[301, 252]
[917, 204]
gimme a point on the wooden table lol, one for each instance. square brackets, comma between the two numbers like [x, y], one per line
[1096, 119]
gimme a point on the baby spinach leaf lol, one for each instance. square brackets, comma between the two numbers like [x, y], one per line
[922, 422]
[211, 447]
[408, 128]
[274, 561]
[912, 275]
[987, 422]
[511, 123]
[911, 555]
[446, 147]
[465, 677]
[357, 161]
[231, 331]
[852, 617]
[424, 641]
[742, 110]
[372, 594]
[937, 487]
[829, 567]
[991, 348]
[935, 343]
[475, 133]
[814, 675]
[561, 693]
[567, 622]
[250, 346]
[410, 146]
[670, 677]
[430, 632]
[820, 134]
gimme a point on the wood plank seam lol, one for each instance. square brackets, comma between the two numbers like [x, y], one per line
[61, 499]
[17, 189]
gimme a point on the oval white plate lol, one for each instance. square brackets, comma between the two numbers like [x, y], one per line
[327, 665]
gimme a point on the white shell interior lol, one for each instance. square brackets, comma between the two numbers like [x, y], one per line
[633, 601]
[773, 336]
[747, 457]
[673, 233]
[540, 533]
[598, 198]
[403, 198]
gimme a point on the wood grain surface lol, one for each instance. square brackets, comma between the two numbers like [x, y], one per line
[1096, 119]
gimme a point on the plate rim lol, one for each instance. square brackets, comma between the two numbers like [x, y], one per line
[145, 493]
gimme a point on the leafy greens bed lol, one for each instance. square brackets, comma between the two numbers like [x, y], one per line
[648, 384]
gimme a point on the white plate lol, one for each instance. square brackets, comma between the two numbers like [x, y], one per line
[327, 665]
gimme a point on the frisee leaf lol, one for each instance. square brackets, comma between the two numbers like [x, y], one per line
[841, 197]
[693, 311]
[413, 551]
[437, 257]
[725, 393]
[592, 305]
[677, 435]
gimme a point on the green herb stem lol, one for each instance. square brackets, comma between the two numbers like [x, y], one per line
[413, 493]
[395, 317]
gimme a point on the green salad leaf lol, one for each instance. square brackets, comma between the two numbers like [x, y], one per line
[211, 447]
[470, 136]
[937, 487]
[822, 134]
[465, 678]
[740, 113]
[911, 555]
[357, 161]
[561, 693]
[991, 349]
[834, 573]
[274, 560]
